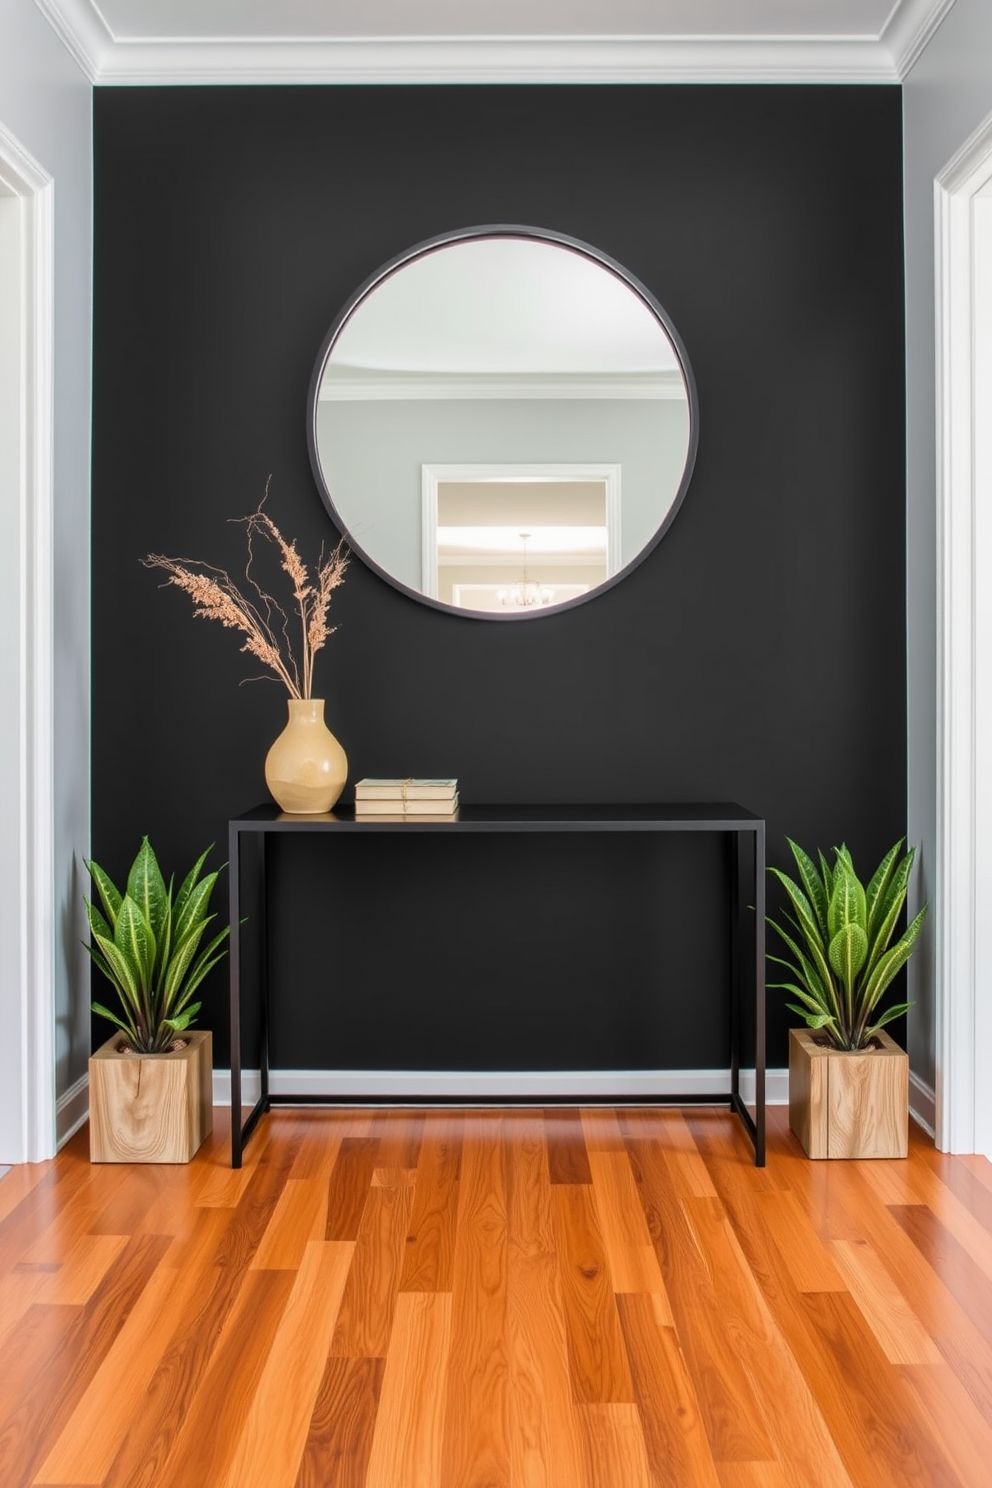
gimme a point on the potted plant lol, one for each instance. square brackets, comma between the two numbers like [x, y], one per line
[151, 1097]
[848, 1080]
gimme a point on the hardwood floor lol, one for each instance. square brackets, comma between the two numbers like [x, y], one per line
[513, 1299]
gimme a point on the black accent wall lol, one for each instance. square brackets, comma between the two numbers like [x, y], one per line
[756, 655]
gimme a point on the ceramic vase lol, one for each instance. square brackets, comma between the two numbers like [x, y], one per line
[306, 768]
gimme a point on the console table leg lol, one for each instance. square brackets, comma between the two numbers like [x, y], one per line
[234, 890]
[759, 994]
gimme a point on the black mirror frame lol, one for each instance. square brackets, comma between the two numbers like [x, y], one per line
[469, 234]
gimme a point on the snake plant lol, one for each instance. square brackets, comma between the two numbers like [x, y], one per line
[838, 935]
[147, 943]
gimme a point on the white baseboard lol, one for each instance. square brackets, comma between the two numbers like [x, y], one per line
[71, 1110]
[922, 1104]
[544, 1086]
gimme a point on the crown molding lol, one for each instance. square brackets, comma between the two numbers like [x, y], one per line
[83, 32]
[122, 61]
[909, 29]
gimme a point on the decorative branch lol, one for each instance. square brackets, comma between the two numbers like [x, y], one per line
[264, 623]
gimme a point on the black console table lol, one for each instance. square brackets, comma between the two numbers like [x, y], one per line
[747, 924]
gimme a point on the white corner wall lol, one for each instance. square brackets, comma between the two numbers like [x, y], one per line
[46, 106]
[946, 96]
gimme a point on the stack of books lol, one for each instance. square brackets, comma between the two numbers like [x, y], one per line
[430, 800]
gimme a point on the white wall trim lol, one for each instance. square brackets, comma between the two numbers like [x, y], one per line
[909, 30]
[922, 1104]
[390, 387]
[423, 1086]
[82, 31]
[964, 548]
[34, 864]
[72, 1109]
[107, 58]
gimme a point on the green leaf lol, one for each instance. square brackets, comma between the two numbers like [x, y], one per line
[827, 874]
[847, 902]
[816, 962]
[813, 1020]
[189, 882]
[98, 925]
[848, 951]
[810, 1003]
[134, 940]
[97, 1007]
[146, 887]
[813, 884]
[877, 888]
[121, 974]
[193, 911]
[182, 957]
[887, 967]
[110, 897]
[890, 906]
[887, 1017]
[198, 970]
[181, 1021]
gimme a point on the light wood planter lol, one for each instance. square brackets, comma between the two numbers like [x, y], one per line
[848, 1105]
[151, 1108]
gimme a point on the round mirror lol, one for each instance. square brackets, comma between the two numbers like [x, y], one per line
[502, 422]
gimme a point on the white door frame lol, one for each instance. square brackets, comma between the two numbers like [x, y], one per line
[963, 302]
[431, 476]
[27, 1053]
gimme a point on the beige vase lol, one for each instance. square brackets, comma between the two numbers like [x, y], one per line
[306, 768]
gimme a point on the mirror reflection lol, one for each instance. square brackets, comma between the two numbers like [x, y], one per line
[502, 422]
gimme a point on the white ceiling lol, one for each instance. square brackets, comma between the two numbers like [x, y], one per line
[270, 41]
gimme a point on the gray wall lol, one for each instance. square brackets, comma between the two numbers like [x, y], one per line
[46, 105]
[375, 451]
[945, 98]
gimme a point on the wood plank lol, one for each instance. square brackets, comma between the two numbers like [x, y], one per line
[300, 1215]
[808, 1261]
[475, 1448]
[675, 1436]
[207, 1437]
[431, 1237]
[873, 1417]
[613, 1447]
[339, 1439]
[545, 1447]
[91, 1438]
[753, 1475]
[180, 1376]
[366, 1316]
[399, 1134]
[596, 1355]
[78, 1338]
[17, 1183]
[294, 1368]
[901, 1336]
[727, 1397]
[946, 1256]
[630, 1254]
[567, 1158]
[84, 1268]
[964, 1434]
[408, 1433]
[350, 1181]
[601, 1130]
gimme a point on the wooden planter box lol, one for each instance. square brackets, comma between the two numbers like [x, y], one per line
[848, 1105]
[151, 1108]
